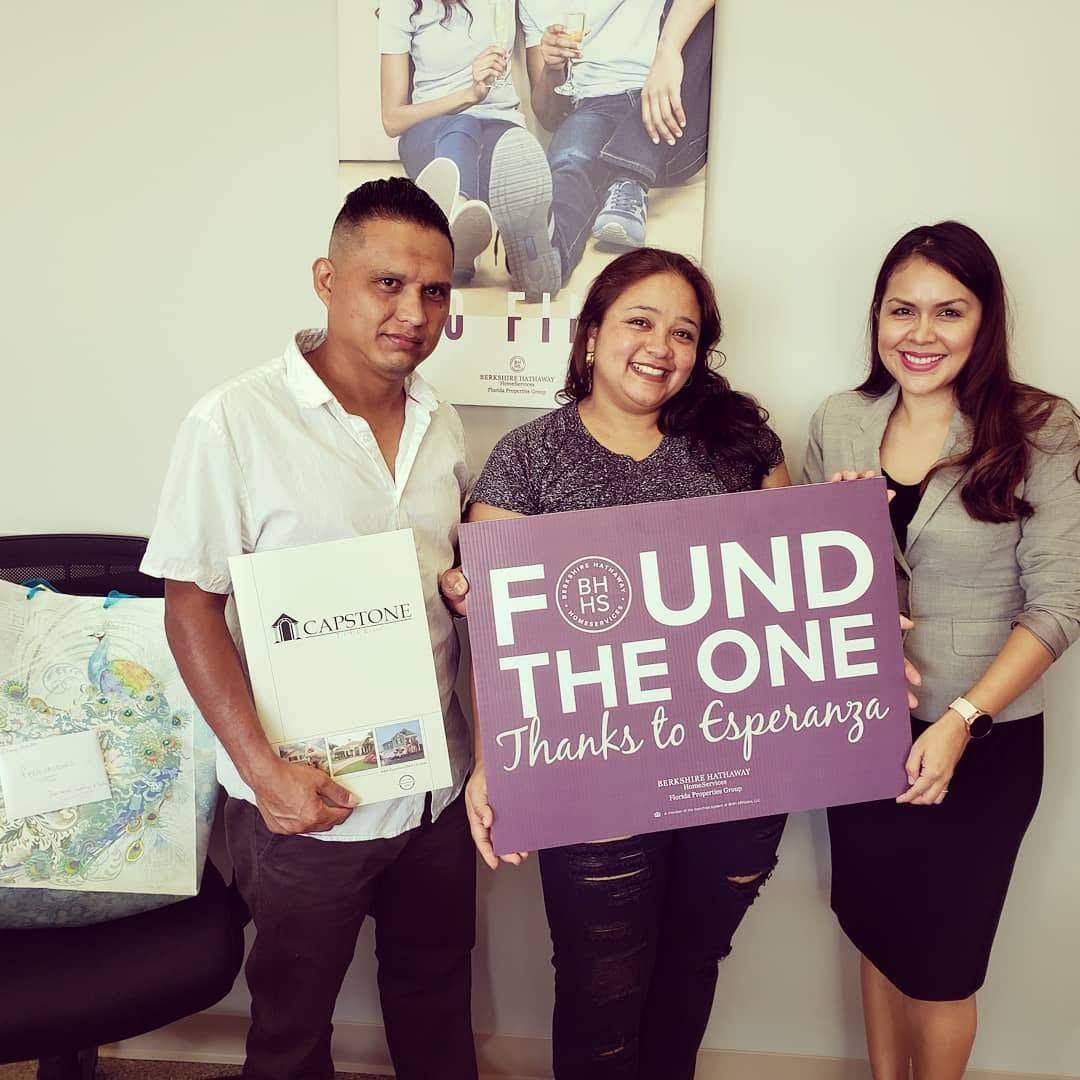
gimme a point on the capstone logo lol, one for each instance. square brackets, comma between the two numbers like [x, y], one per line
[288, 628]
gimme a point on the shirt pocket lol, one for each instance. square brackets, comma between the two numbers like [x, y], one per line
[980, 637]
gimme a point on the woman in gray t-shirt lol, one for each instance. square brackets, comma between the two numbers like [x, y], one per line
[639, 923]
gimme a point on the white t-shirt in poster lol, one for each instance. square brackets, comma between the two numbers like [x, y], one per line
[620, 45]
[443, 51]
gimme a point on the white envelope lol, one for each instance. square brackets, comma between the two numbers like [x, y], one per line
[55, 773]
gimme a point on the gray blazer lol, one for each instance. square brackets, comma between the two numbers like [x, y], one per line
[967, 583]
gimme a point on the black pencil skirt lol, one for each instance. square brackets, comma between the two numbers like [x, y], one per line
[919, 889]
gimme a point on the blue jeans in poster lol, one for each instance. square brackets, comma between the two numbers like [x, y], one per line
[638, 927]
[631, 153]
[603, 139]
[467, 140]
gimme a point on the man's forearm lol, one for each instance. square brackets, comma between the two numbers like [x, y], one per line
[210, 666]
[549, 107]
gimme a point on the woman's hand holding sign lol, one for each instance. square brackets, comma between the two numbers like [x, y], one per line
[481, 817]
[454, 587]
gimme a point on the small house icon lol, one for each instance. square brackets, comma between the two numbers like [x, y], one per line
[286, 625]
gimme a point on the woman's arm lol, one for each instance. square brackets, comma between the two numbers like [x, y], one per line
[477, 808]
[777, 476]
[1048, 557]
[934, 756]
[398, 114]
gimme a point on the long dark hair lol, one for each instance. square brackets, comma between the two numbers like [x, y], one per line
[448, 10]
[723, 424]
[1005, 415]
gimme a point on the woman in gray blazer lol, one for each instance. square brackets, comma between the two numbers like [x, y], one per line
[987, 520]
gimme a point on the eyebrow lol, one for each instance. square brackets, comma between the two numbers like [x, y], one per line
[383, 272]
[938, 303]
[656, 311]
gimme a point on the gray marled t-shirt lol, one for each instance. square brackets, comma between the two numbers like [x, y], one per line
[553, 464]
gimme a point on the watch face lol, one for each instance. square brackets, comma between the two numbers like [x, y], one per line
[981, 726]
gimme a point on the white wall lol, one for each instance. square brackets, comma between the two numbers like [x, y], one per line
[171, 175]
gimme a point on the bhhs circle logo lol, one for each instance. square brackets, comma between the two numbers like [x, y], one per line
[593, 594]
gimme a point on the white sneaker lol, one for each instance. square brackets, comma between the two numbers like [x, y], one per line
[441, 180]
[472, 228]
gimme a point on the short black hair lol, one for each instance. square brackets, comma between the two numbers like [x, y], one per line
[390, 199]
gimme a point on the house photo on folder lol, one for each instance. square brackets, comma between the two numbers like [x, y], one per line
[337, 649]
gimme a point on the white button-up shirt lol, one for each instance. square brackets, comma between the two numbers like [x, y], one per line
[271, 460]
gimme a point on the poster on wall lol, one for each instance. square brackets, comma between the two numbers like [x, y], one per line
[641, 668]
[524, 120]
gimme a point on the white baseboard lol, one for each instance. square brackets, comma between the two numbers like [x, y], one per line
[219, 1037]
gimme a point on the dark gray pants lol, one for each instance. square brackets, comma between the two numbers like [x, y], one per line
[309, 898]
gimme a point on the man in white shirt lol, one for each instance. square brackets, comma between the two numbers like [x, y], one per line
[338, 437]
[638, 116]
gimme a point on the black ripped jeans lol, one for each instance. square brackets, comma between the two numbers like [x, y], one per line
[639, 926]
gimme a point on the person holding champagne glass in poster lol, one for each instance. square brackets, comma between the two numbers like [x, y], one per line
[613, 80]
[447, 92]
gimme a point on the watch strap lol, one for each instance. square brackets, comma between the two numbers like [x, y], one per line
[978, 721]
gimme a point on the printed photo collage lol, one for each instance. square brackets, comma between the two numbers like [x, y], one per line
[349, 753]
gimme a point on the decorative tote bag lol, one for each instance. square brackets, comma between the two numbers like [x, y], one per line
[107, 773]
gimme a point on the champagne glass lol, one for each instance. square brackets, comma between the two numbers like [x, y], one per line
[574, 21]
[502, 19]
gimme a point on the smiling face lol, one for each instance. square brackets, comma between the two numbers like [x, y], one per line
[927, 326]
[387, 294]
[646, 344]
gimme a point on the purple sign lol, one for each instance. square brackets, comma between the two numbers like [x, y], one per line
[670, 664]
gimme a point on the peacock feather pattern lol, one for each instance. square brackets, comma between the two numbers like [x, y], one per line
[143, 741]
[69, 664]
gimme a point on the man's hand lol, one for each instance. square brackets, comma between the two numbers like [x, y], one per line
[661, 98]
[480, 815]
[557, 47]
[454, 587]
[294, 798]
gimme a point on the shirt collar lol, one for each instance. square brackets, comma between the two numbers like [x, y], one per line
[311, 392]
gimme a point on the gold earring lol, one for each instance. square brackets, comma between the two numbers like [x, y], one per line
[590, 358]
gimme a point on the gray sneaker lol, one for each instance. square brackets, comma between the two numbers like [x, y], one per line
[520, 200]
[621, 221]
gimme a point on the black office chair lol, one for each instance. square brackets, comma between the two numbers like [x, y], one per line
[68, 991]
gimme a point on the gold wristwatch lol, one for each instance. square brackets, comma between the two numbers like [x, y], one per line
[979, 722]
